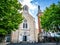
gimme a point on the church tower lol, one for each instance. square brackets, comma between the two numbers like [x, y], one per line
[39, 21]
[39, 24]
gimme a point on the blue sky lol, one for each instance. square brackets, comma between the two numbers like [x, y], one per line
[33, 6]
[44, 3]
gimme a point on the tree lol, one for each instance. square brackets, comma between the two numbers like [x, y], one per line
[50, 20]
[10, 18]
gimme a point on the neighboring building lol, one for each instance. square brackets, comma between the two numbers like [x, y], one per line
[26, 30]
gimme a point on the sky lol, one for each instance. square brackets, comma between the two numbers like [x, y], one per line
[33, 6]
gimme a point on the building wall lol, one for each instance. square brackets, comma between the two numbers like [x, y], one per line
[36, 34]
[30, 31]
[14, 36]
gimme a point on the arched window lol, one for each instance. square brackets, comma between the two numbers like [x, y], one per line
[25, 8]
[25, 24]
[25, 21]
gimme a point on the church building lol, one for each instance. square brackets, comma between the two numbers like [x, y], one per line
[26, 31]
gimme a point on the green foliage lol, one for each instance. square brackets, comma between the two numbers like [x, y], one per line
[2, 32]
[10, 18]
[50, 19]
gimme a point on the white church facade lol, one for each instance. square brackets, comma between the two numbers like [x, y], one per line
[26, 31]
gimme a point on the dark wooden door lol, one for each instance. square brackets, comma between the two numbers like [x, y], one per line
[24, 38]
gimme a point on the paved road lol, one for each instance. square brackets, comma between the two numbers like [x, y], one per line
[35, 44]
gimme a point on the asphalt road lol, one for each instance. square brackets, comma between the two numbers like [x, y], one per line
[34, 44]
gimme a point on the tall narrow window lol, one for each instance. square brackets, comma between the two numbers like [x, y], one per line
[25, 24]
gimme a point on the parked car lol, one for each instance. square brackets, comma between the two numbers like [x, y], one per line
[51, 37]
[57, 34]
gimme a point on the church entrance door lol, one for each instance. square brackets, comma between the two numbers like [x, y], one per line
[24, 38]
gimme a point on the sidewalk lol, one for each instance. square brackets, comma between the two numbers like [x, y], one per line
[4, 43]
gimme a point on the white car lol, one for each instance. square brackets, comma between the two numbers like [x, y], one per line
[52, 34]
[57, 34]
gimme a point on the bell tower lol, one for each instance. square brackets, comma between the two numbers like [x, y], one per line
[39, 23]
[39, 20]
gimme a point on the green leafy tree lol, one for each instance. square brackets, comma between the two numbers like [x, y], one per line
[10, 17]
[50, 20]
